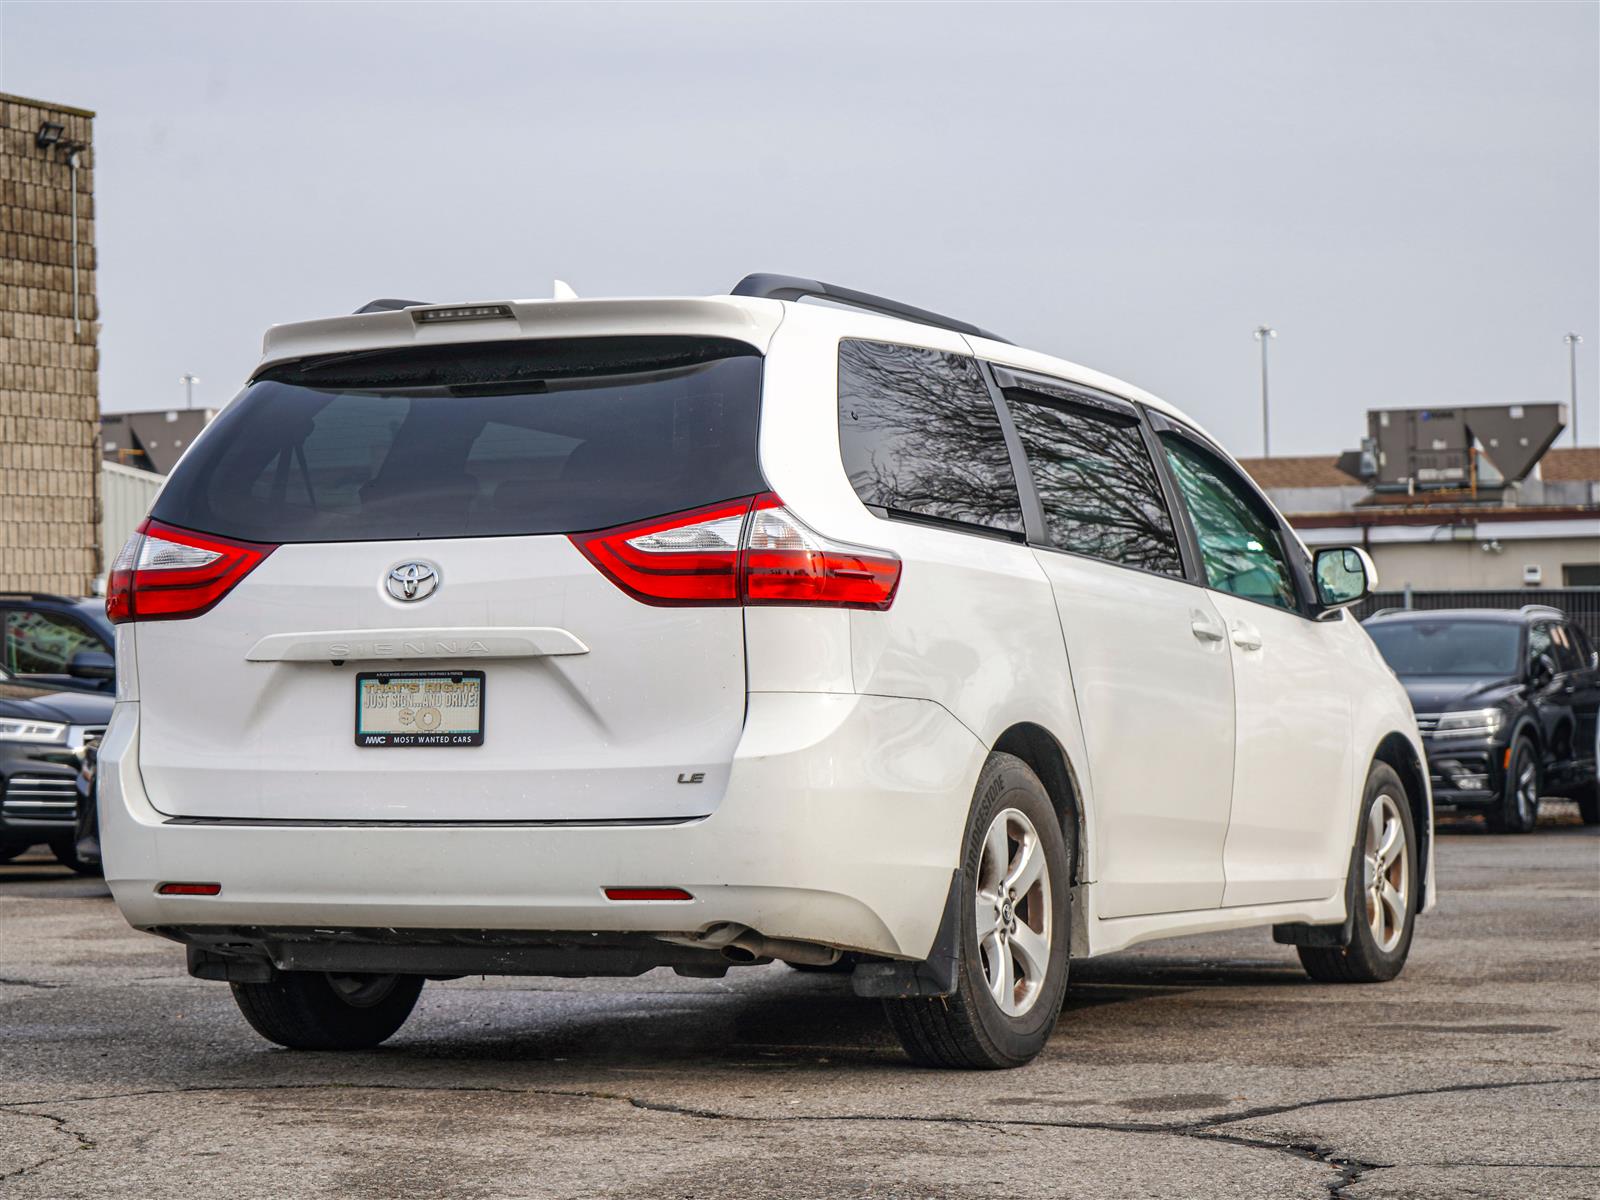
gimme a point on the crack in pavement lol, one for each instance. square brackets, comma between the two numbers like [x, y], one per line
[1207, 1129]
[30, 983]
[84, 1142]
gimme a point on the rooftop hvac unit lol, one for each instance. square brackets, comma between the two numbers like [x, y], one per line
[1446, 449]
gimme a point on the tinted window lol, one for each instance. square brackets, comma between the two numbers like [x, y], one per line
[1447, 647]
[510, 438]
[1097, 484]
[1239, 542]
[1540, 643]
[39, 643]
[919, 435]
[1566, 649]
[1585, 648]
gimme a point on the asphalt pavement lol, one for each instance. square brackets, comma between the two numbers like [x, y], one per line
[1208, 1066]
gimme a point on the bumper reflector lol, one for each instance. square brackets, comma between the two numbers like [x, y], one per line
[646, 893]
[189, 889]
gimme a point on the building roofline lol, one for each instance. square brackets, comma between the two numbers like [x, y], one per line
[8, 98]
[1439, 515]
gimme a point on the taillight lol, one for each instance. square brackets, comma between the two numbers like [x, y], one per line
[750, 551]
[788, 562]
[687, 558]
[166, 574]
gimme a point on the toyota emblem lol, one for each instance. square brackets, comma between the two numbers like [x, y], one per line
[412, 581]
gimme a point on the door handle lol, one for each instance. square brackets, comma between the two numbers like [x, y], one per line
[1204, 628]
[1246, 637]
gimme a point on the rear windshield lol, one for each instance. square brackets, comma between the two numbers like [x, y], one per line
[1448, 647]
[476, 441]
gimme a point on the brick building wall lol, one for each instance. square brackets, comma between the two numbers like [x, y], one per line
[49, 387]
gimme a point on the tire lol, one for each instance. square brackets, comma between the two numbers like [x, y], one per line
[308, 1010]
[970, 1029]
[1518, 810]
[1375, 955]
[66, 852]
[10, 850]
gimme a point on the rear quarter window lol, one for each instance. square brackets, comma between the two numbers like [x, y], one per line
[920, 437]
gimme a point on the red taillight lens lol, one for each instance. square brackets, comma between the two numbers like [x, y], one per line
[647, 893]
[166, 574]
[189, 889]
[750, 551]
[788, 562]
[688, 558]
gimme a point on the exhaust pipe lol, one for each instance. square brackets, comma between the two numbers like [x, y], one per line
[751, 947]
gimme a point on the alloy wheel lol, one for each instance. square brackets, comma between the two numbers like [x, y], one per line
[1387, 873]
[1013, 913]
[1528, 791]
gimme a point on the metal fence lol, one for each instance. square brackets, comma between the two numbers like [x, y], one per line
[1581, 604]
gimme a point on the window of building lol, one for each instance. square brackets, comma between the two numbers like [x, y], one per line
[1098, 487]
[1239, 543]
[920, 436]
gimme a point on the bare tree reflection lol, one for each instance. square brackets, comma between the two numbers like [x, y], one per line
[919, 433]
[1098, 486]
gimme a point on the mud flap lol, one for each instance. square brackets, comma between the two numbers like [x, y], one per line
[935, 975]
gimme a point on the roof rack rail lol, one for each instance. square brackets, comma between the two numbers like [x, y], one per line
[766, 286]
[1389, 612]
[372, 306]
[45, 597]
[1543, 608]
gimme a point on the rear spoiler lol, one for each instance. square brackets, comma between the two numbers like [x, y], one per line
[752, 321]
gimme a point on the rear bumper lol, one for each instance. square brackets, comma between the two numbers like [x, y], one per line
[841, 824]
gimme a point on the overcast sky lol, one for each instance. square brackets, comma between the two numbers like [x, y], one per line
[1409, 193]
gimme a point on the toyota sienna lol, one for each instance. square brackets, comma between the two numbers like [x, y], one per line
[588, 637]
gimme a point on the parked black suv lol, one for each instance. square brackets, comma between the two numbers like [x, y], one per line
[1506, 702]
[57, 641]
[43, 735]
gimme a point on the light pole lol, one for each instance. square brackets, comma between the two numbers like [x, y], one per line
[1572, 341]
[1264, 334]
[188, 382]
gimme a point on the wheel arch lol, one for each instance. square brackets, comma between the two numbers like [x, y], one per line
[1398, 752]
[1526, 727]
[1039, 748]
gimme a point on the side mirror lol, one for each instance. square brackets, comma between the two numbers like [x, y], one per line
[92, 664]
[1345, 575]
[1544, 670]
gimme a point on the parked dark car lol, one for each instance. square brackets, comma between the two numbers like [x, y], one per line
[57, 641]
[43, 735]
[1506, 702]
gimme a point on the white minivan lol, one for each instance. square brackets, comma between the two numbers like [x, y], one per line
[587, 637]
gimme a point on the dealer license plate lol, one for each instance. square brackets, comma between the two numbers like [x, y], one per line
[419, 708]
